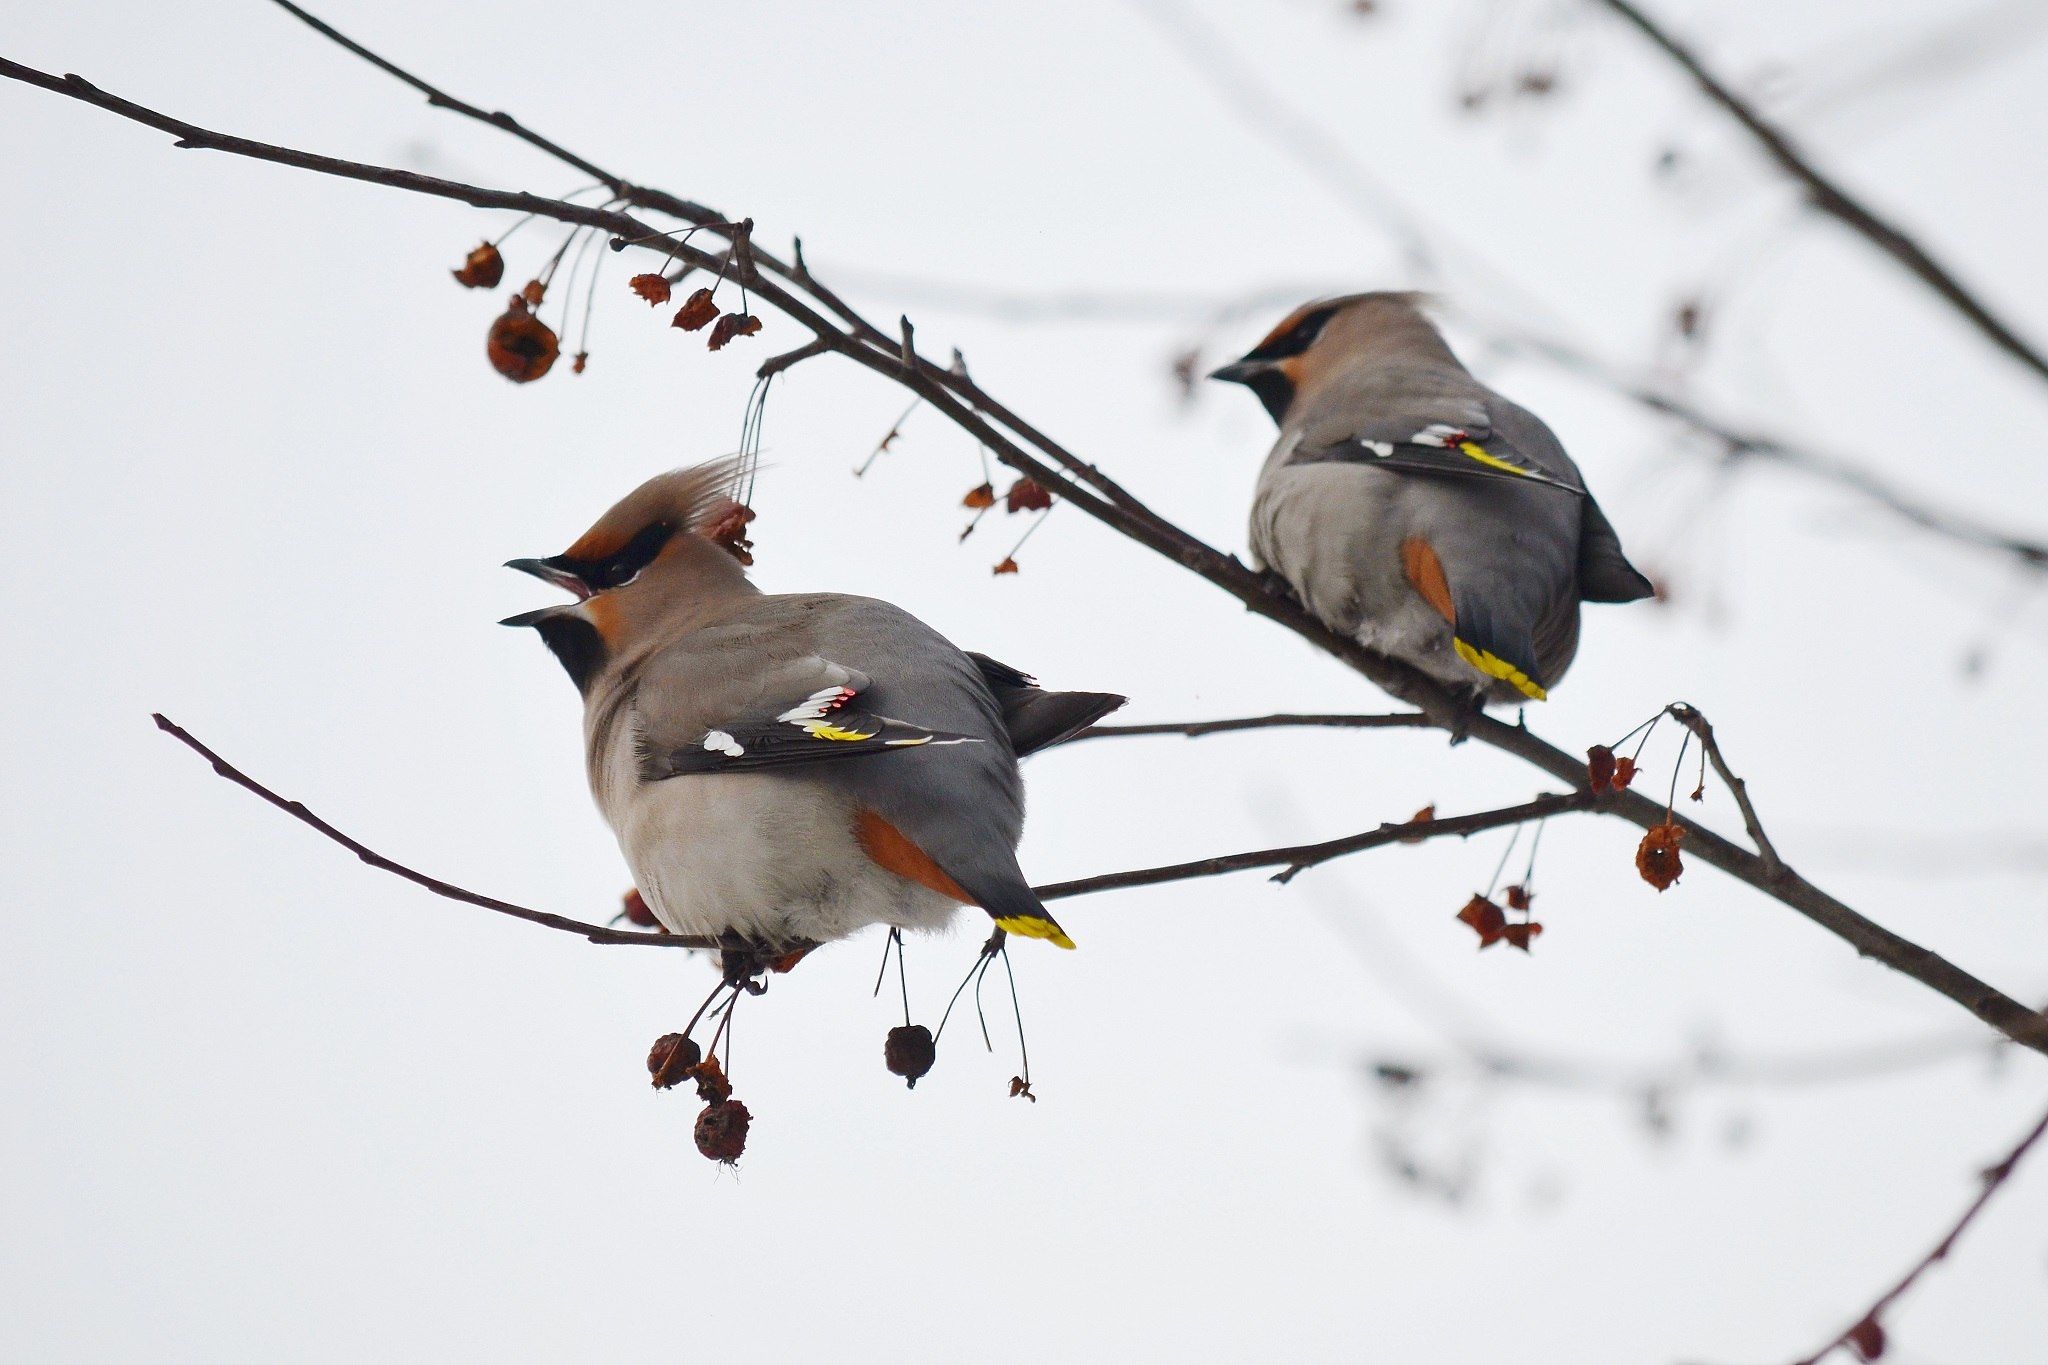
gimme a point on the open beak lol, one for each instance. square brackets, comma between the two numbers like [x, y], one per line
[548, 572]
[1239, 371]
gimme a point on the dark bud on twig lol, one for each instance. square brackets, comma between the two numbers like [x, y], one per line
[481, 269]
[722, 1130]
[909, 1052]
[674, 1057]
[1866, 1338]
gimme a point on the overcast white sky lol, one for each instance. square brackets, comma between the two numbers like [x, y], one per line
[267, 1104]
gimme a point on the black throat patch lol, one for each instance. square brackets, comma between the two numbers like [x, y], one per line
[576, 643]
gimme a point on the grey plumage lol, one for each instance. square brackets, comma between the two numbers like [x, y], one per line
[1413, 508]
[791, 766]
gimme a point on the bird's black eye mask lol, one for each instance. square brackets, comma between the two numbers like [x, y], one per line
[1297, 338]
[617, 570]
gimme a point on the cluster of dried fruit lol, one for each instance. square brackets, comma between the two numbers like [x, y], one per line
[721, 1130]
[697, 310]
[1492, 924]
[1605, 772]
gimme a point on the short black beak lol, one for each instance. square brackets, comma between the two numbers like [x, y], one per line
[552, 571]
[1239, 371]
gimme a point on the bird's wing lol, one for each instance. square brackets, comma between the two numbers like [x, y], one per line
[700, 710]
[1469, 447]
[1035, 718]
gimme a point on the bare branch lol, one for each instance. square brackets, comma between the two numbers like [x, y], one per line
[1868, 1329]
[596, 933]
[1300, 857]
[1740, 442]
[440, 99]
[1057, 469]
[1194, 729]
[1830, 198]
[1692, 720]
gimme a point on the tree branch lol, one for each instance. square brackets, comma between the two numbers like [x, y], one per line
[1868, 1331]
[1057, 469]
[596, 933]
[1195, 729]
[1692, 720]
[1829, 197]
[1301, 857]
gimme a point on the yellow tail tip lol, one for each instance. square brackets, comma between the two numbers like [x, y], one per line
[1035, 926]
[1493, 666]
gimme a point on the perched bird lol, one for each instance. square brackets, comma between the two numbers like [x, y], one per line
[789, 768]
[1413, 508]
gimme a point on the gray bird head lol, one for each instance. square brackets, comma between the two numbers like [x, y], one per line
[646, 565]
[1322, 340]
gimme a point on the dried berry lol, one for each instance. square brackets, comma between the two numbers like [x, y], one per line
[1518, 935]
[1487, 920]
[1026, 495]
[633, 909]
[697, 310]
[1600, 767]
[672, 1059]
[1624, 773]
[787, 962]
[520, 346]
[978, 498]
[533, 292]
[730, 326]
[1021, 1087]
[1518, 897]
[712, 1086]
[1007, 566]
[481, 269]
[1866, 1338]
[582, 359]
[653, 288]
[1657, 856]
[725, 526]
[722, 1130]
[909, 1052]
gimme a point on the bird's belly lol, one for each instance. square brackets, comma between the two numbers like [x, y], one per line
[768, 856]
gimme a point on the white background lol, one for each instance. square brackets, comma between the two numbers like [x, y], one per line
[263, 1103]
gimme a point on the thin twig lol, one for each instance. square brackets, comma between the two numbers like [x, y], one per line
[775, 365]
[1194, 729]
[1300, 857]
[1692, 720]
[1829, 197]
[1870, 1324]
[596, 933]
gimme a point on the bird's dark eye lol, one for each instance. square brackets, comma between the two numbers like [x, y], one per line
[615, 571]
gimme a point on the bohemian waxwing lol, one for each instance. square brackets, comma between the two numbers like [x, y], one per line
[1417, 510]
[792, 766]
